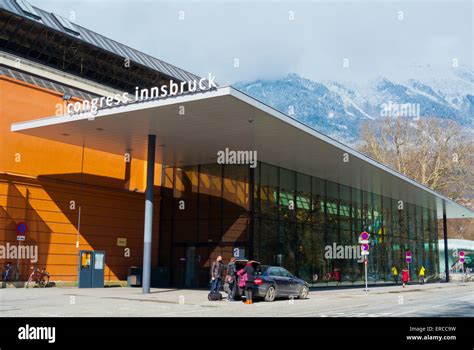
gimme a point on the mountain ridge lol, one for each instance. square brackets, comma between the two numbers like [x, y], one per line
[337, 108]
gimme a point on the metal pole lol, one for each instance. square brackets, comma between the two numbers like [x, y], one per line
[147, 236]
[252, 210]
[365, 265]
[78, 238]
[78, 234]
[409, 274]
[445, 237]
[18, 259]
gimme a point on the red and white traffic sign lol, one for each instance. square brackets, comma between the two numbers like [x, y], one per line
[461, 257]
[364, 249]
[364, 241]
[364, 237]
[21, 230]
[408, 256]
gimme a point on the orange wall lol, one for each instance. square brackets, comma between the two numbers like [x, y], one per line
[39, 179]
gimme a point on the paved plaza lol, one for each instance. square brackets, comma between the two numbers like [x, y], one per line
[431, 300]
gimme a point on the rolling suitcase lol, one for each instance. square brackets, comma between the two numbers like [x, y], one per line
[214, 296]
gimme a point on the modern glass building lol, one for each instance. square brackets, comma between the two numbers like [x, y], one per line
[79, 181]
[282, 217]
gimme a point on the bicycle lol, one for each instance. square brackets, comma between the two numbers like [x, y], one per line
[39, 277]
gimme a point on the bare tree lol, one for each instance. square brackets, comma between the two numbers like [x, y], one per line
[431, 151]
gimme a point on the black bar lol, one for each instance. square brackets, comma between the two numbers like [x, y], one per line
[102, 332]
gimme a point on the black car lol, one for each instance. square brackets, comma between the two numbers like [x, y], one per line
[272, 282]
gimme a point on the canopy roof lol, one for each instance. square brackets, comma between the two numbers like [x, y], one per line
[227, 118]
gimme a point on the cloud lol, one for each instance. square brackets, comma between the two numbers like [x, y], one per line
[376, 38]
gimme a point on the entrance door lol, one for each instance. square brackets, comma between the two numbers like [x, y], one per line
[91, 269]
[98, 269]
[178, 267]
[85, 269]
[190, 268]
[184, 267]
[190, 264]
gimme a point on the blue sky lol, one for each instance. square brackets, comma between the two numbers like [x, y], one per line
[271, 39]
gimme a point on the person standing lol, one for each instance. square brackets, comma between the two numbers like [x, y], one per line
[6, 274]
[337, 276]
[422, 274]
[394, 274]
[216, 274]
[230, 278]
[405, 277]
[241, 280]
[247, 275]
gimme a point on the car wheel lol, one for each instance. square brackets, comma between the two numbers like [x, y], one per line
[304, 292]
[270, 295]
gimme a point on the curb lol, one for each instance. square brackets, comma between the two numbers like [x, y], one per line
[62, 284]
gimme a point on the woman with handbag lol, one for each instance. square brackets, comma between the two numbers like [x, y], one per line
[246, 280]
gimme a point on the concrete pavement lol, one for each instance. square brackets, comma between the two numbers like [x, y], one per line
[430, 300]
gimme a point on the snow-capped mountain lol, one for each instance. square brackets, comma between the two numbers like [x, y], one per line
[338, 108]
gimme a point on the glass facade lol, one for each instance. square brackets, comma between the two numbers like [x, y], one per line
[308, 225]
[205, 212]
[311, 227]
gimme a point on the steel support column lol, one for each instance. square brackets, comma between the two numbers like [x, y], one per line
[150, 180]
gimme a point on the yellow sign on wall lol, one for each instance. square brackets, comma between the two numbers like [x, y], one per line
[121, 242]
